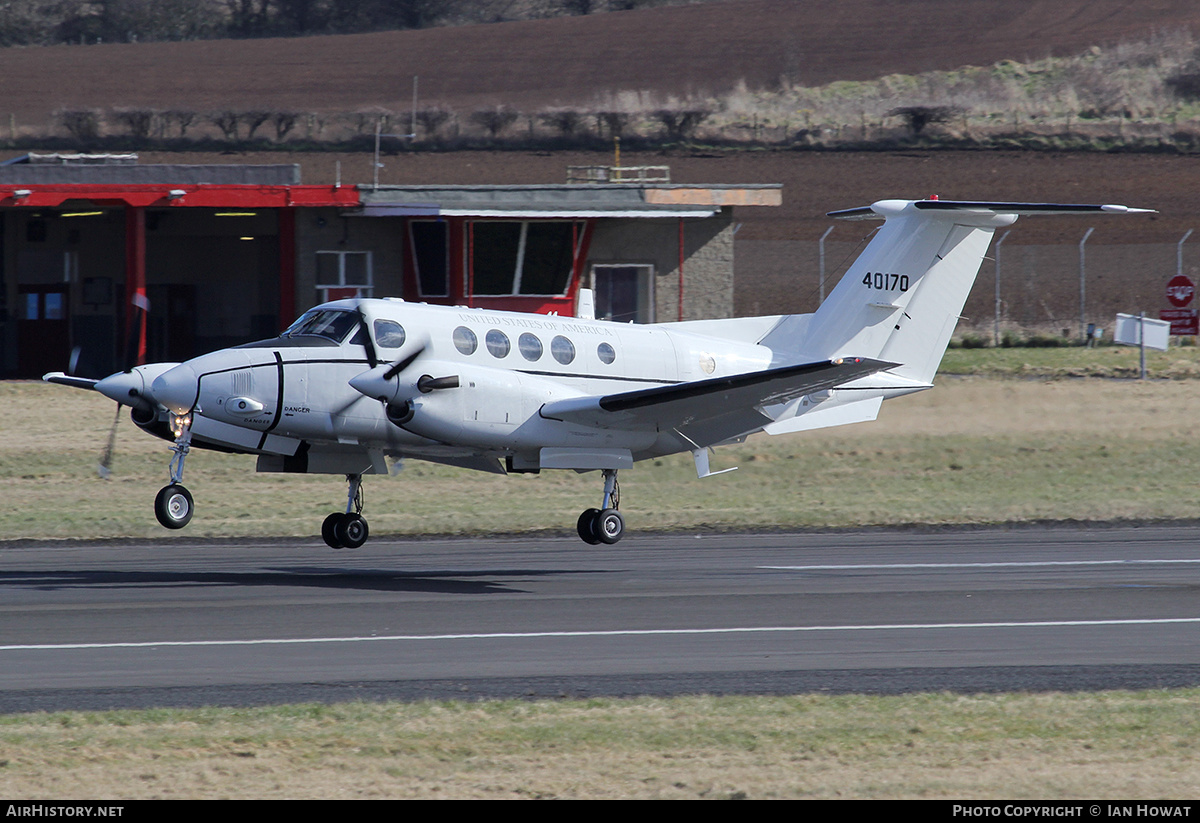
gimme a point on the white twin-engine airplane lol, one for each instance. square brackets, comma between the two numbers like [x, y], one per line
[355, 381]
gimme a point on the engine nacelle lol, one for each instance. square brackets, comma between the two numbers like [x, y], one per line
[498, 410]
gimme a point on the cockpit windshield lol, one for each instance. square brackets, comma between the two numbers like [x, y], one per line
[328, 323]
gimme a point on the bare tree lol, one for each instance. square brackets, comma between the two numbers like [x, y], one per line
[227, 121]
[615, 122]
[139, 122]
[1185, 83]
[254, 118]
[182, 118]
[494, 120]
[284, 122]
[367, 120]
[432, 119]
[565, 121]
[681, 124]
[918, 117]
[82, 124]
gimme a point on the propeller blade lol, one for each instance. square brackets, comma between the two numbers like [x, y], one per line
[106, 456]
[365, 328]
[401, 365]
[135, 346]
[342, 409]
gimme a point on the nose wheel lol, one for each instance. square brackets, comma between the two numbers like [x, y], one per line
[174, 506]
[603, 525]
[347, 530]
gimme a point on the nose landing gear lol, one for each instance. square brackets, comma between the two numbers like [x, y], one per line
[347, 530]
[173, 506]
[605, 524]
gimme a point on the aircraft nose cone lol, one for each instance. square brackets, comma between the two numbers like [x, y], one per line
[373, 384]
[124, 387]
[176, 388]
[134, 387]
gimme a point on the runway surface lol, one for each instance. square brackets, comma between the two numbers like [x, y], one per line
[192, 623]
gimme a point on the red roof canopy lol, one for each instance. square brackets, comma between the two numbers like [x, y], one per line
[195, 196]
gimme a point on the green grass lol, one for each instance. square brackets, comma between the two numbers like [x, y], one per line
[1178, 362]
[1045, 746]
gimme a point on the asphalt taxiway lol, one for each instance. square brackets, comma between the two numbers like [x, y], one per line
[181, 622]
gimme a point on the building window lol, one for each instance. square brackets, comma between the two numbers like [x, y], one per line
[624, 293]
[344, 274]
[431, 255]
[512, 258]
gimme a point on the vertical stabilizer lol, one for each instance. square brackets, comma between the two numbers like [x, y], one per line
[901, 299]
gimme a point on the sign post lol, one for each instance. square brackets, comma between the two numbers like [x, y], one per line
[1181, 291]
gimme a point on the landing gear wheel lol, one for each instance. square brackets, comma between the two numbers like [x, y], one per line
[329, 530]
[587, 527]
[173, 507]
[610, 526]
[351, 530]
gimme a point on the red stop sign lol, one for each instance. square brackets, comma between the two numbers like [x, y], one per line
[1180, 290]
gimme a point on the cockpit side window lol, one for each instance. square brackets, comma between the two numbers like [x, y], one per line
[328, 323]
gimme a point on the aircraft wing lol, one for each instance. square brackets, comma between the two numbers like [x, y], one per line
[706, 412]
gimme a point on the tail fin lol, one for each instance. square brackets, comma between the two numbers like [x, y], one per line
[902, 297]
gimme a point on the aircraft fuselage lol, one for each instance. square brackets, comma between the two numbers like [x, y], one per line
[294, 393]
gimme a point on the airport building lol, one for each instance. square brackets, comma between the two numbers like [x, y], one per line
[225, 254]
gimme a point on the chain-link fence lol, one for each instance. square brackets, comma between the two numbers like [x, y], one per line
[1038, 291]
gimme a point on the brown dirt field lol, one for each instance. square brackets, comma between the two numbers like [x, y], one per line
[701, 49]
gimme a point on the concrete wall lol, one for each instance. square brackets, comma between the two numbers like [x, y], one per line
[708, 289]
[321, 230]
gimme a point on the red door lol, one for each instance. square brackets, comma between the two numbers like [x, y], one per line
[43, 335]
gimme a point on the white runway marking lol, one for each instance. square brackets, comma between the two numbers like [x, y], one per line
[1039, 624]
[1005, 564]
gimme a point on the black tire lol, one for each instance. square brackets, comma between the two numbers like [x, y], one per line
[174, 507]
[610, 526]
[351, 530]
[329, 530]
[587, 527]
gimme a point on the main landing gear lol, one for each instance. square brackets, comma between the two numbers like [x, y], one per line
[605, 524]
[173, 506]
[347, 530]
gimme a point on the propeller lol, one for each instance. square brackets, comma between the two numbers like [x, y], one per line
[383, 383]
[364, 331]
[135, 353]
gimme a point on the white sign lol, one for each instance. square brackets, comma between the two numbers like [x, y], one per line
[1129, 331]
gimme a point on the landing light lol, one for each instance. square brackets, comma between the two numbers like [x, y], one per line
[179, 422]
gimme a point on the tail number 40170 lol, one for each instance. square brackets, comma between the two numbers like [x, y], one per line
[886, 281]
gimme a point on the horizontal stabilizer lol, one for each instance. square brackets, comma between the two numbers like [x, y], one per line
[714, 410]
[886, 208]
